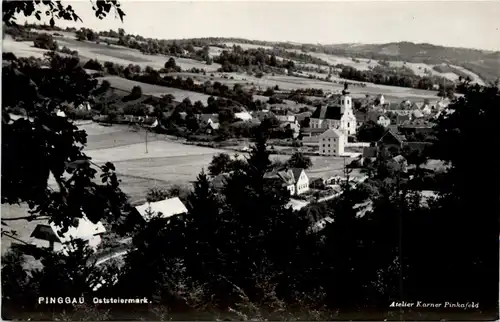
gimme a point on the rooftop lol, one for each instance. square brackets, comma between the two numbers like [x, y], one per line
[84, 229]
[165, 208]
[330, 112]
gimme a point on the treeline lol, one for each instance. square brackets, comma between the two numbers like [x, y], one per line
[253, 59]
[403, 77]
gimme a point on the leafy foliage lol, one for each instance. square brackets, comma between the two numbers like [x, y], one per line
[370, 132]
[299, 160]
[55, 10]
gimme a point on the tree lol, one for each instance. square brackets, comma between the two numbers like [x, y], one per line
[299, 160]
[159, 194]
[221, 163]
[45, 41]
[94, 65]
[66, 275]
[170, 64]
[135, 93]
[269, 92]
[44, 144]
[370, 132]
[306, 122]
[56, 10]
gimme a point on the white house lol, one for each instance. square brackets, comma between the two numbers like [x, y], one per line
[50, 235]
[381, 99]
[383, 120]
[301, 180]
[335, 116]
[295, 180]
[60, 113]
[244, 116]
[164, 209]
[286, 118]
[332, 142]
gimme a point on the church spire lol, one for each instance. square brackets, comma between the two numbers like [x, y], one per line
[345, 92]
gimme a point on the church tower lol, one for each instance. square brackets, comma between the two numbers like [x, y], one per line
[347, 120]
[345, 101]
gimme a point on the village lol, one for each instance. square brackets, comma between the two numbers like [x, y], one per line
[155, 161]
[329, 131]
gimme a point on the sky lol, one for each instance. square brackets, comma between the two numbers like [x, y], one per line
[472, 24]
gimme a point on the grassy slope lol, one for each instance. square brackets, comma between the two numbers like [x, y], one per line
[155, 90]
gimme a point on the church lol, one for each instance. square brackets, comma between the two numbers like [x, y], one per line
[338, 116]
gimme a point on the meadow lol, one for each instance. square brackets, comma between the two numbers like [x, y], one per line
[155, 90]
[166, 162]
[125, 56]
[286, 82]
[103, 52]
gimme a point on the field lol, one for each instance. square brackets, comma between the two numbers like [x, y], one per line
[166, 162]
[291, 83]
[102, 52]
[155, 90]
[127, 56]
[246, 46]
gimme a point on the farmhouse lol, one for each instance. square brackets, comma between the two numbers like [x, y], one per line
[208, 121]
[332, 142]
[50, 235]
[416, 126]
[391, 140]
[301, 180]
[164, 209]
[284, 178]
[295, 180]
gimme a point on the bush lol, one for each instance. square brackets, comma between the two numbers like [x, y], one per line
[45, 41]
[93, 65]
[68, 51]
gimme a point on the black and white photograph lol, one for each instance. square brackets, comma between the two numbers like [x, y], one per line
[250, 160]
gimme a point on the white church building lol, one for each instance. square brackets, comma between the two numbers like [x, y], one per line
[338, 116]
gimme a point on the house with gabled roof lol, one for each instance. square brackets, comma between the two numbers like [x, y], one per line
[391, 140]
[295, 180]
[163, 209]
[284, 177]
[208, 121]
[82, 229]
